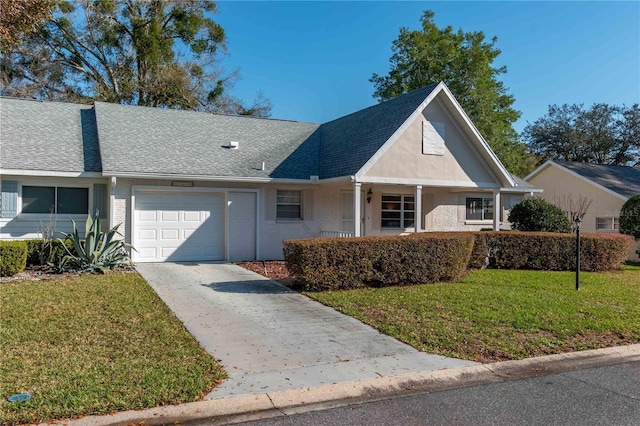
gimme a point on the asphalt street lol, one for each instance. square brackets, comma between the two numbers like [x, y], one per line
[608, 395]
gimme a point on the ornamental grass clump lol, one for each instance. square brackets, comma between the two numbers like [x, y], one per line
[98, 251]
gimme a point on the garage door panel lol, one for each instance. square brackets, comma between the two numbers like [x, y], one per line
[169, 216]
[148, 234]
[193, 216]
[147, 253]
[179, 226]
[147, 216]
[170, 234]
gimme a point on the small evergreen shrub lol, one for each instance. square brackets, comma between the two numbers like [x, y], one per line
[548, 251]
[13, 257]
[41, 252]
[343, 263]
[538, 215]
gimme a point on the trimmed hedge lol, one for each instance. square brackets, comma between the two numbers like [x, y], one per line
[13, 257]
[548, 251]
[345, 263]
[36, 255]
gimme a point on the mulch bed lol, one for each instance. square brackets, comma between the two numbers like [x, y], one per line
[40, 273]
[274, 270]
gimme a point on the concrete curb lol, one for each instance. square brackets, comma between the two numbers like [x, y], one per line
[246, 407]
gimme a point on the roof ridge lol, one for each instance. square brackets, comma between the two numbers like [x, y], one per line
[595, 164]
[217, 114]
[430, 88]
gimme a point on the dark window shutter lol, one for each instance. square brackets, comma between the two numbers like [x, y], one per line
[9, 200]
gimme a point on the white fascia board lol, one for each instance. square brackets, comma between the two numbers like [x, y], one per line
[428, 183]
[49, 173]
[550, 163]
[399, 131]
[480, 139]
[204, 178]
[517, 190]
[339, 179]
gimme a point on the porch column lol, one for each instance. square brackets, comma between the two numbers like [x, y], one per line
[496, 209]
[418, 207]
[356, 209]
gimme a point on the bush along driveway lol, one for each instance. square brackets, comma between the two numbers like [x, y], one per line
[94, 344]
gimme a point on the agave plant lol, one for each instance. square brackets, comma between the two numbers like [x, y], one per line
[98, 252]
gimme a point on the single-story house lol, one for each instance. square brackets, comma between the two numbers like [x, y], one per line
[194, 186]
[607, 187]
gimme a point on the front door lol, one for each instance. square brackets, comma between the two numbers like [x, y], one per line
[347, 212]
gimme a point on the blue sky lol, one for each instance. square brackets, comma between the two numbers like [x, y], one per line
[314, 59]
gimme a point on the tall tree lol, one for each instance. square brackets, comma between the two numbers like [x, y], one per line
[463, 60]
[162, 53]
[602, 134]
[20, 18]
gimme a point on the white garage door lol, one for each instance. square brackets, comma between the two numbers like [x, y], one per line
[178, 226]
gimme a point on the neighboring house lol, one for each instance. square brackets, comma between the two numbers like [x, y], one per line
[607, 187]
[198, 186]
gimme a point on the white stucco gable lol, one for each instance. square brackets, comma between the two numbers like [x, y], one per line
[437, 146]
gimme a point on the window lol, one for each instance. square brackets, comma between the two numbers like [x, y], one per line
[607, 223]
[398, 211]
[479, 209]
[289, 205]
[52, 199]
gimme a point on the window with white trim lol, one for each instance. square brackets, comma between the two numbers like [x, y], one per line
[479, 208]
[607, 223]
[55, 199]
[289, 205]
[398, 211]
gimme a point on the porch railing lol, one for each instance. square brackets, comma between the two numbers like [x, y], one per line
[335, 234]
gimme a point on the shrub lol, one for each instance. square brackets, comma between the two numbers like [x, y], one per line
[41, 252]
[13, 257]
[536, 214]
[548, 251]
[98, 251]
[630, 217]
[343, 263]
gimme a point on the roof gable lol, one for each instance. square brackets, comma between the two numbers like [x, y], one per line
[349, 142]
[623, 181]
[486, 157]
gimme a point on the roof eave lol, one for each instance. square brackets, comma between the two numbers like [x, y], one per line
[208, 178]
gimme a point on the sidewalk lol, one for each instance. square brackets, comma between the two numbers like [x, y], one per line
[250, 407]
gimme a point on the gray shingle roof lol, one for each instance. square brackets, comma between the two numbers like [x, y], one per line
[152, 140]
[347, 143]
[48, 136]
[119, 139]
[621, 179]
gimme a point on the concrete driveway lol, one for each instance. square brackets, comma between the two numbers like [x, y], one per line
[270, 338]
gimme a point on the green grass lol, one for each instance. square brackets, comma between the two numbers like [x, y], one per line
[492, 315]
[95, 344]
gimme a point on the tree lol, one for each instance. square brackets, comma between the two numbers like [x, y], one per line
[464, 62]
[20, 18]
[536, 214]
[603, 134]
[630, 217]
[161, 53]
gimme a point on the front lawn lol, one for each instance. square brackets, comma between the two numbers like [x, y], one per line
[94, 344]
[493, 315]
